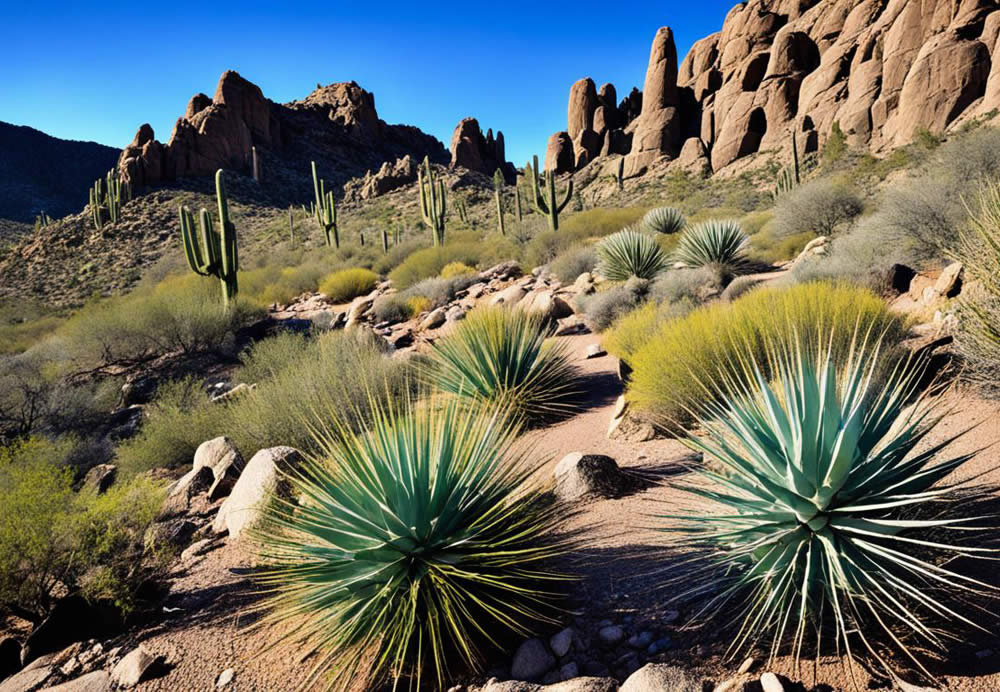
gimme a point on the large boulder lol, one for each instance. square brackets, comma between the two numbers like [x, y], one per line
[659, 677]
[95, 681]
[583, 101]
[220, 456]
[559, 157]
[659, 127]
[477, 152]
[259, 481]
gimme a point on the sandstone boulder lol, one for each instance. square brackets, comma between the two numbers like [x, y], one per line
[583, 101]
[559, 156]
[657, 677]
[257, 484]
[658, 132]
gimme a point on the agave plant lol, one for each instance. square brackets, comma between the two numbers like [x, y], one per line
[718, 243]
[824, 491]
[629, 253]
[413, 544]
[663, 220]
[501, 356]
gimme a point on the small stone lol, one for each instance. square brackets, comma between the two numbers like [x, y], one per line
[746, 665]
[656, 677]
[985, 653]
[197, 548]
[641, 640]
[611, 635]
[132, 669]
[225, 677]
[595, 351]
[730, 685]
[770, 683]
[620, 407]
[659, 646]
[671, 616]
[569, 671]
[531, 661]
[562, 642]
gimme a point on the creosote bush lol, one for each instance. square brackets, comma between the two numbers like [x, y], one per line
[573, 262]
[835, 524]
[820, 207]
[427, 263]
[602, 308]
[685, 360]
[347, 284]
[500, 357]
[420, 540]
[453, 269]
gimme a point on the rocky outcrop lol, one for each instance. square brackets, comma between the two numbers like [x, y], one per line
[883, 70]
[336, 125]
[388, 178]
[472, 150]
[559, 155]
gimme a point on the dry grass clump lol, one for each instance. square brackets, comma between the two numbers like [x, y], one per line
[347, 284]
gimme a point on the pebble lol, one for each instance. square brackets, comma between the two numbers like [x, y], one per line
[561, 642]
[611, 635]
[225, 677]
[595, 351]
[746, 665]
[671, 615]
[641, 640]
[659, 646]
[569, 671]
[770, 683]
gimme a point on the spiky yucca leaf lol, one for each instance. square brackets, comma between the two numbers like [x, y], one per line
[824, 495]
[500, 356]
[629, 253]
[663, 220]
[412, 544]
[721, 243]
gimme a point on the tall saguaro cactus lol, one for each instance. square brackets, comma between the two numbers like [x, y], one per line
[788, 177]
[498, 183]
[385, 240]
[106, 198]
[546, 203]
[326, 210]
[433, 204]
[517, 200]
[620, 176]
[211, 251]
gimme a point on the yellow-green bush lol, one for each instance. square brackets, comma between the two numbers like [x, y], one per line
[429, 262]
[347, 284]
[453, 269]
[680, 362]
[768, 248]
[577, 228]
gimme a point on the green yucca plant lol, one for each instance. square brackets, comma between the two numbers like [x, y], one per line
[663, 220]
[720, 243]
[500, 356]
[834, 517]
[629, 253]
[413, 544]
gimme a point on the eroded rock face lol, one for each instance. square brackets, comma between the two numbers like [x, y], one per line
[583, 101]
[471, 149]
[659, 125]
[559, 155]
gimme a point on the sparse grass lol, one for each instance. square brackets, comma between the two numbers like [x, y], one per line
[347, 284]
[573, 262]
[427, 263]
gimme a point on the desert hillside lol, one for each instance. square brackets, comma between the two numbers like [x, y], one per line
[704, 397]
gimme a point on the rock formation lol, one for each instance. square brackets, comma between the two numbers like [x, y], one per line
[471, 150]
[336, 125]
[882, 69]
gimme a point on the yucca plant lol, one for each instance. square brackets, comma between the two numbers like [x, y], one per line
[413, 545]
[834, 514]
[629, 253]
[663, 220]
[718, 243]
[500, 356]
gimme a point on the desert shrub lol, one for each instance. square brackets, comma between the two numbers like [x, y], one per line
[182, 314]
[920, 217]
[54, 541]
[740, 286]
[24, 323]
[768, 248]
[429, 262]
[439, 291]
[276, 284]
[695, 285]
[663, 220]
[450, 271]
[633, 329]
[436, 513]
[348, 284]
[978, 249]
[545, 246]
[721, 244]
[397, 254]
[685, 360]
[628, 254]
[602, 308]
[573, 262]
[501, 357]
[835, 146]
[817, 525]
[969, 159]
[820, 206]
[392, 308]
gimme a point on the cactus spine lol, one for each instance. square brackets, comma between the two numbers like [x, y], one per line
[546, 204]
[433, 204]
[498, 183]
[211, 251]
[326, 210]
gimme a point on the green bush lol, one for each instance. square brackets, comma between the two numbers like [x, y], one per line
[826, 536]
[422, 540]
[602, 308]
[820, 207]
[767, 248]
[685, 360]
[633, 329]
[439, 291]
[393, 308]
[545, 246]
[348, 284]
[453, 269]
[694, 285]
[397, 255]
[719, 243]
[501, 357]
[573, 262]
[628, 254]
[427, 263]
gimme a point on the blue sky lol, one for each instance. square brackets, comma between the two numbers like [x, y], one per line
[96, 71]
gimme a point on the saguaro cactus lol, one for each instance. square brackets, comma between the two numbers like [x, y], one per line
[291, 225]
[621, 174]
[326, 210]
[517, 199]
[256, 164]
[463, 212]
[106, 197]
[385, 240]
[498, 183]
[546, 204]
[433, 204]
[211, 251]
[788, 177]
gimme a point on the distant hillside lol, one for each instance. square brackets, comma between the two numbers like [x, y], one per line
[39, 172]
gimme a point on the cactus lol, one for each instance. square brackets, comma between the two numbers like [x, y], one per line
[106, 197]
[396, 233]
[621, 174]
[291, 225]
[385, 241]
[788, 177]
[498, 183]
[546, 204]
[212, 252]
[517, 199]
[256, 164]
[463, 212]
[325, 209]
[42, 220]
[433, 204]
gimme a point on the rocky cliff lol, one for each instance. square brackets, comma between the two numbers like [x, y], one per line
[883, 70]
[43, 173]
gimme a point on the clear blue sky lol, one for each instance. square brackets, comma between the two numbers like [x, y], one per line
[96, 71]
